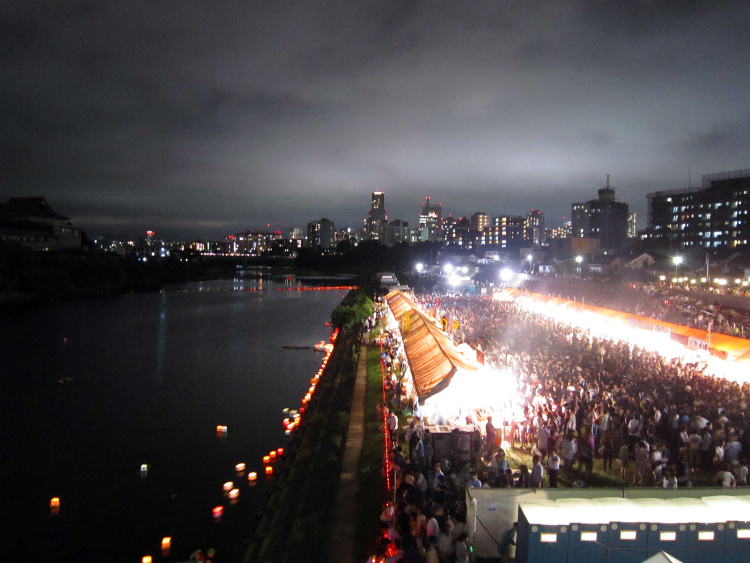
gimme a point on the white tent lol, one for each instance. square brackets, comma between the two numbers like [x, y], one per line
[662, 557]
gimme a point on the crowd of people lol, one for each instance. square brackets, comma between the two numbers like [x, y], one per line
[668, 304]
[585, 396]
[652, 421]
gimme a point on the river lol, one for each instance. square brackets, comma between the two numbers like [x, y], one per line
[92, 389]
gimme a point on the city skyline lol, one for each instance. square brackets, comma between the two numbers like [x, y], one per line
[202, 120]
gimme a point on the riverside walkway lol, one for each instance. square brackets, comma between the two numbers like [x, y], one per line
[345, 517]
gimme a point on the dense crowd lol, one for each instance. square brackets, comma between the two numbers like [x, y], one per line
[669, 304]
[605, 393]
[655, 421]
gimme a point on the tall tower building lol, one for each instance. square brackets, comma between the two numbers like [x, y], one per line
[431, 221]
[533, 231]
[377, 217]
[603, 219]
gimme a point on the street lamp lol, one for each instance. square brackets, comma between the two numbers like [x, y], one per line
[530, 258]
[420, 267]
[677, 261]
[579, 259]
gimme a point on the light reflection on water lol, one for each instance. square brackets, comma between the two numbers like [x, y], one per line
[93, 389]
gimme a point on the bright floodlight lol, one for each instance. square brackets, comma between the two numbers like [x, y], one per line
[579, 259]
[506, 274]
[420, 267]
[448, 268]
[677, 260]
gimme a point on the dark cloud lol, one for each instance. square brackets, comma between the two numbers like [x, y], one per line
[204, 118]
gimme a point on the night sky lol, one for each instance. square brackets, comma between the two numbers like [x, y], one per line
[200, 119]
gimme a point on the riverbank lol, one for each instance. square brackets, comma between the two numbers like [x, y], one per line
[296, 522]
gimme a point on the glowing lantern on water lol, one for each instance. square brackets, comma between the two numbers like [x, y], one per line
[234, 494]
[269, 470]
[54, 505]
[239, 468]
[228, 486]
[146, 559]
[252, 476]
[144, 469]
[221, 430]
[217, 512]
[272, 455]
[280, 452]
[166, 545]
[266, 459]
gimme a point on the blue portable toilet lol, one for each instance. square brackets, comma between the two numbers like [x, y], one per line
[736, 512]
[706, 531]
[628, 534]
[542, 533]
[667, 530]
[588, 539]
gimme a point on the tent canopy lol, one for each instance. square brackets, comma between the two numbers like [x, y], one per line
[433, 358]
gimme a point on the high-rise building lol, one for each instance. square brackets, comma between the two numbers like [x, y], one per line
[480, 221]
[431, 221]
[603, 219]
[377, 217]
[534, 227]
[506, 232]
[321, 234]
[715, 215]
[397, 231]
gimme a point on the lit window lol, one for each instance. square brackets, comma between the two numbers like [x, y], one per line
[743, 534]
[705, 536]
[668, 536]
[548, 538]
[588, 536]
[627, 535]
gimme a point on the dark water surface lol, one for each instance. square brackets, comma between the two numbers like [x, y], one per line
[92, 389]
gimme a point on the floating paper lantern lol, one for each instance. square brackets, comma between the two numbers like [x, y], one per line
[234, 494]
[146, 559]
[272, 455]
[166, 545]
[252, 476]
[54, 505]
[266, 459]
[217, 512]
[144, 469]
[228, 486]
[221, 430]
[280, 452]
[239, 468]
[269, 470]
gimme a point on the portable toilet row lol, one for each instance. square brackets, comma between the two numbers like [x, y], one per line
[619, 530]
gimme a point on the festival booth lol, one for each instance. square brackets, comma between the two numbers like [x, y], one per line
[434, 363]
[631, 530]
[454, 392]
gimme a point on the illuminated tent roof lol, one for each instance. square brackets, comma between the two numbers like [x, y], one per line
[736, 349]
[432, 356]
[398, 302]
[716, 509]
